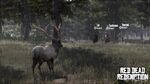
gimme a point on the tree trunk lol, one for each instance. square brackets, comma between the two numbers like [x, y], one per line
[0, 25]
[25, 18]
[56, 17]
[141, 33]
[0, 18]
[115, 19]
[56, 14]
[116, 33]
[90, 30]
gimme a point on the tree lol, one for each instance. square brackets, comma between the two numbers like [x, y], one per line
[118, 12]
[0, 17]
[88, 15]
[143, 7]
[54, 8]
[8, 10]
[25, 19]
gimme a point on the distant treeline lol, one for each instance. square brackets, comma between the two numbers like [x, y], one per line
[78, 17]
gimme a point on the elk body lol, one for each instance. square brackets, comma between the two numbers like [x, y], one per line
[46, 53]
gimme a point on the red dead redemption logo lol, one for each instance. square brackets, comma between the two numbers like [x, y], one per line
[132, 73]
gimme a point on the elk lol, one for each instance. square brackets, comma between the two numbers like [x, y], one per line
[95, 38]
[47, 53]
[107, 38]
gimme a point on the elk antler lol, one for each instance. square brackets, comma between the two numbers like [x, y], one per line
[57, 28]
[42, 30]
[56, 32]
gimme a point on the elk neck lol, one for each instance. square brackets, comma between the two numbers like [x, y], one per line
[56, 48]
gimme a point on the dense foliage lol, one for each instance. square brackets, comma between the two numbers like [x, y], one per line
[80, 14]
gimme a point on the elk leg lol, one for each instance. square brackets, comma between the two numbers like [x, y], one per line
[33, 65]
[51, 65]
[40, 63]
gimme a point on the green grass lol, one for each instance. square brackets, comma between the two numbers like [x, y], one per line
[76, 63]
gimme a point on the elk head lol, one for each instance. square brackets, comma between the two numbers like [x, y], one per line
[56, 39]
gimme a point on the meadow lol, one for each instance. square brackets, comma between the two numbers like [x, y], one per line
[77, 63]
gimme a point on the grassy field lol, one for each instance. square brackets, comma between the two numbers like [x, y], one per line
[77, 63]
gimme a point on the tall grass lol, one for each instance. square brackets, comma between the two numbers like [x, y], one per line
[77, 63]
